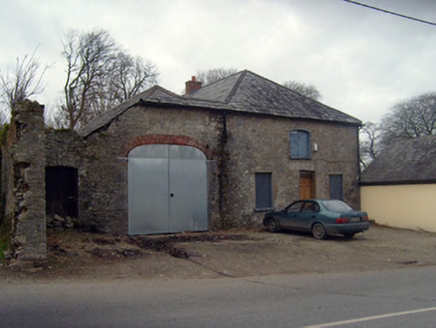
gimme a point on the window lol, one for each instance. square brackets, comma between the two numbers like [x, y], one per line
[299, 144]
[263, 191]
[294, 207]
[336, 206]
[310, 207]
[335, 182]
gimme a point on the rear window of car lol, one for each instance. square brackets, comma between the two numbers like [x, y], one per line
[336, 206]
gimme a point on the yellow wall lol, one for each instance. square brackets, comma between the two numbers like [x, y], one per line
[403, 206]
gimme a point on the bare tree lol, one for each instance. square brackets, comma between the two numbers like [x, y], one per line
[369, 143]
[306, 90]
[100, 75]
[129, 76]
[87, 55]
[214, 74]
[25, 81]
[410, 119]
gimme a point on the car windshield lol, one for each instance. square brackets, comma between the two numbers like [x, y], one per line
[336, 206]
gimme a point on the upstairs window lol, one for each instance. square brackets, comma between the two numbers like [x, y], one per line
[299, 144]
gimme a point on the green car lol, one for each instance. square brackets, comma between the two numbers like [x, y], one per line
[321, 217]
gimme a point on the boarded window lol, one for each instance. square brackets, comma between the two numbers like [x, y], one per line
[335, 181]
[299, 144]
[263, 190]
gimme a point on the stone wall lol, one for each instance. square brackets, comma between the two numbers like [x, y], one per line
[103, 195]
[24, 184]
[64, 148]
[260, 144]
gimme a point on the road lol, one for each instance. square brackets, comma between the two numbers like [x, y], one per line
[391, 298]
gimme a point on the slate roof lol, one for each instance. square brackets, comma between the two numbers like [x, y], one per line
[106, 118]
[249, 92]
[242, 92]
[406, 161]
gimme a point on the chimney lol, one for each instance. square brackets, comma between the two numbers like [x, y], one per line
[192, 85]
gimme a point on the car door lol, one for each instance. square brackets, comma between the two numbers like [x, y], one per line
[303, 220]
[290, 215]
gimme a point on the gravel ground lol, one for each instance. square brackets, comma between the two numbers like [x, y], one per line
[234, 253]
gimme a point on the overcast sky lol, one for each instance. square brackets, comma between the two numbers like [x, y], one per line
[362, 61]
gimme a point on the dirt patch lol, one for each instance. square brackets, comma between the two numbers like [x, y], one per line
[235, 253]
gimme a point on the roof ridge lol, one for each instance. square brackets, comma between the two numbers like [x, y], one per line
[192, 93]
[156, 88]
[236, 86]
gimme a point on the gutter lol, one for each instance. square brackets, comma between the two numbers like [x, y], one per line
[222, 160]
[398, 182]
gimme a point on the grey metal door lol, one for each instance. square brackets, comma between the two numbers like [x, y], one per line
[167, 187]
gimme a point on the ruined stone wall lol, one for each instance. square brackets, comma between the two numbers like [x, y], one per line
[24, 184]
[260, 144]
[103, 194]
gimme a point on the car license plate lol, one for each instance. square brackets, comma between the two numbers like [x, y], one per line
[355, 219]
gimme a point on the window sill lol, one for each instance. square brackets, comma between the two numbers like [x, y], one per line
[266, 209]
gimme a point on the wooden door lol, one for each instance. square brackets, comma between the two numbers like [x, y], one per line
[307, 189]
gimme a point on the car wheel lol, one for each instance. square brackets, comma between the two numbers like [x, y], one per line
[349, 235]
[318, 231]
[272, 225]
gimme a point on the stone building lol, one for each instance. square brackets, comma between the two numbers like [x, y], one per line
[217, 157]
[251, 145]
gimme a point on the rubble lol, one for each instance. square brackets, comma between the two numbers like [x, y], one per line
[60, 223]
[168, 243]
[115, 253]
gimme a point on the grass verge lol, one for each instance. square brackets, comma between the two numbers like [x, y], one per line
[4, 241]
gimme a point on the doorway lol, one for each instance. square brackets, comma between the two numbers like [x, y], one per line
[61, 185]
[167, 189]
[307, 189]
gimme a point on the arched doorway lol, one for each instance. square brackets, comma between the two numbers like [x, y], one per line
[167, 189]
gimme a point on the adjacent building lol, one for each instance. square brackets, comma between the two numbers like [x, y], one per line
[399, 187]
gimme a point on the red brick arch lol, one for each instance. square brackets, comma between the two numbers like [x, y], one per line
[167, 139]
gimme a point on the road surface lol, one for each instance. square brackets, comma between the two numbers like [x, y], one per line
[393, 298]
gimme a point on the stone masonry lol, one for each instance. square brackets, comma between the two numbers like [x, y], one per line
[24, 185]
[103, 195]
